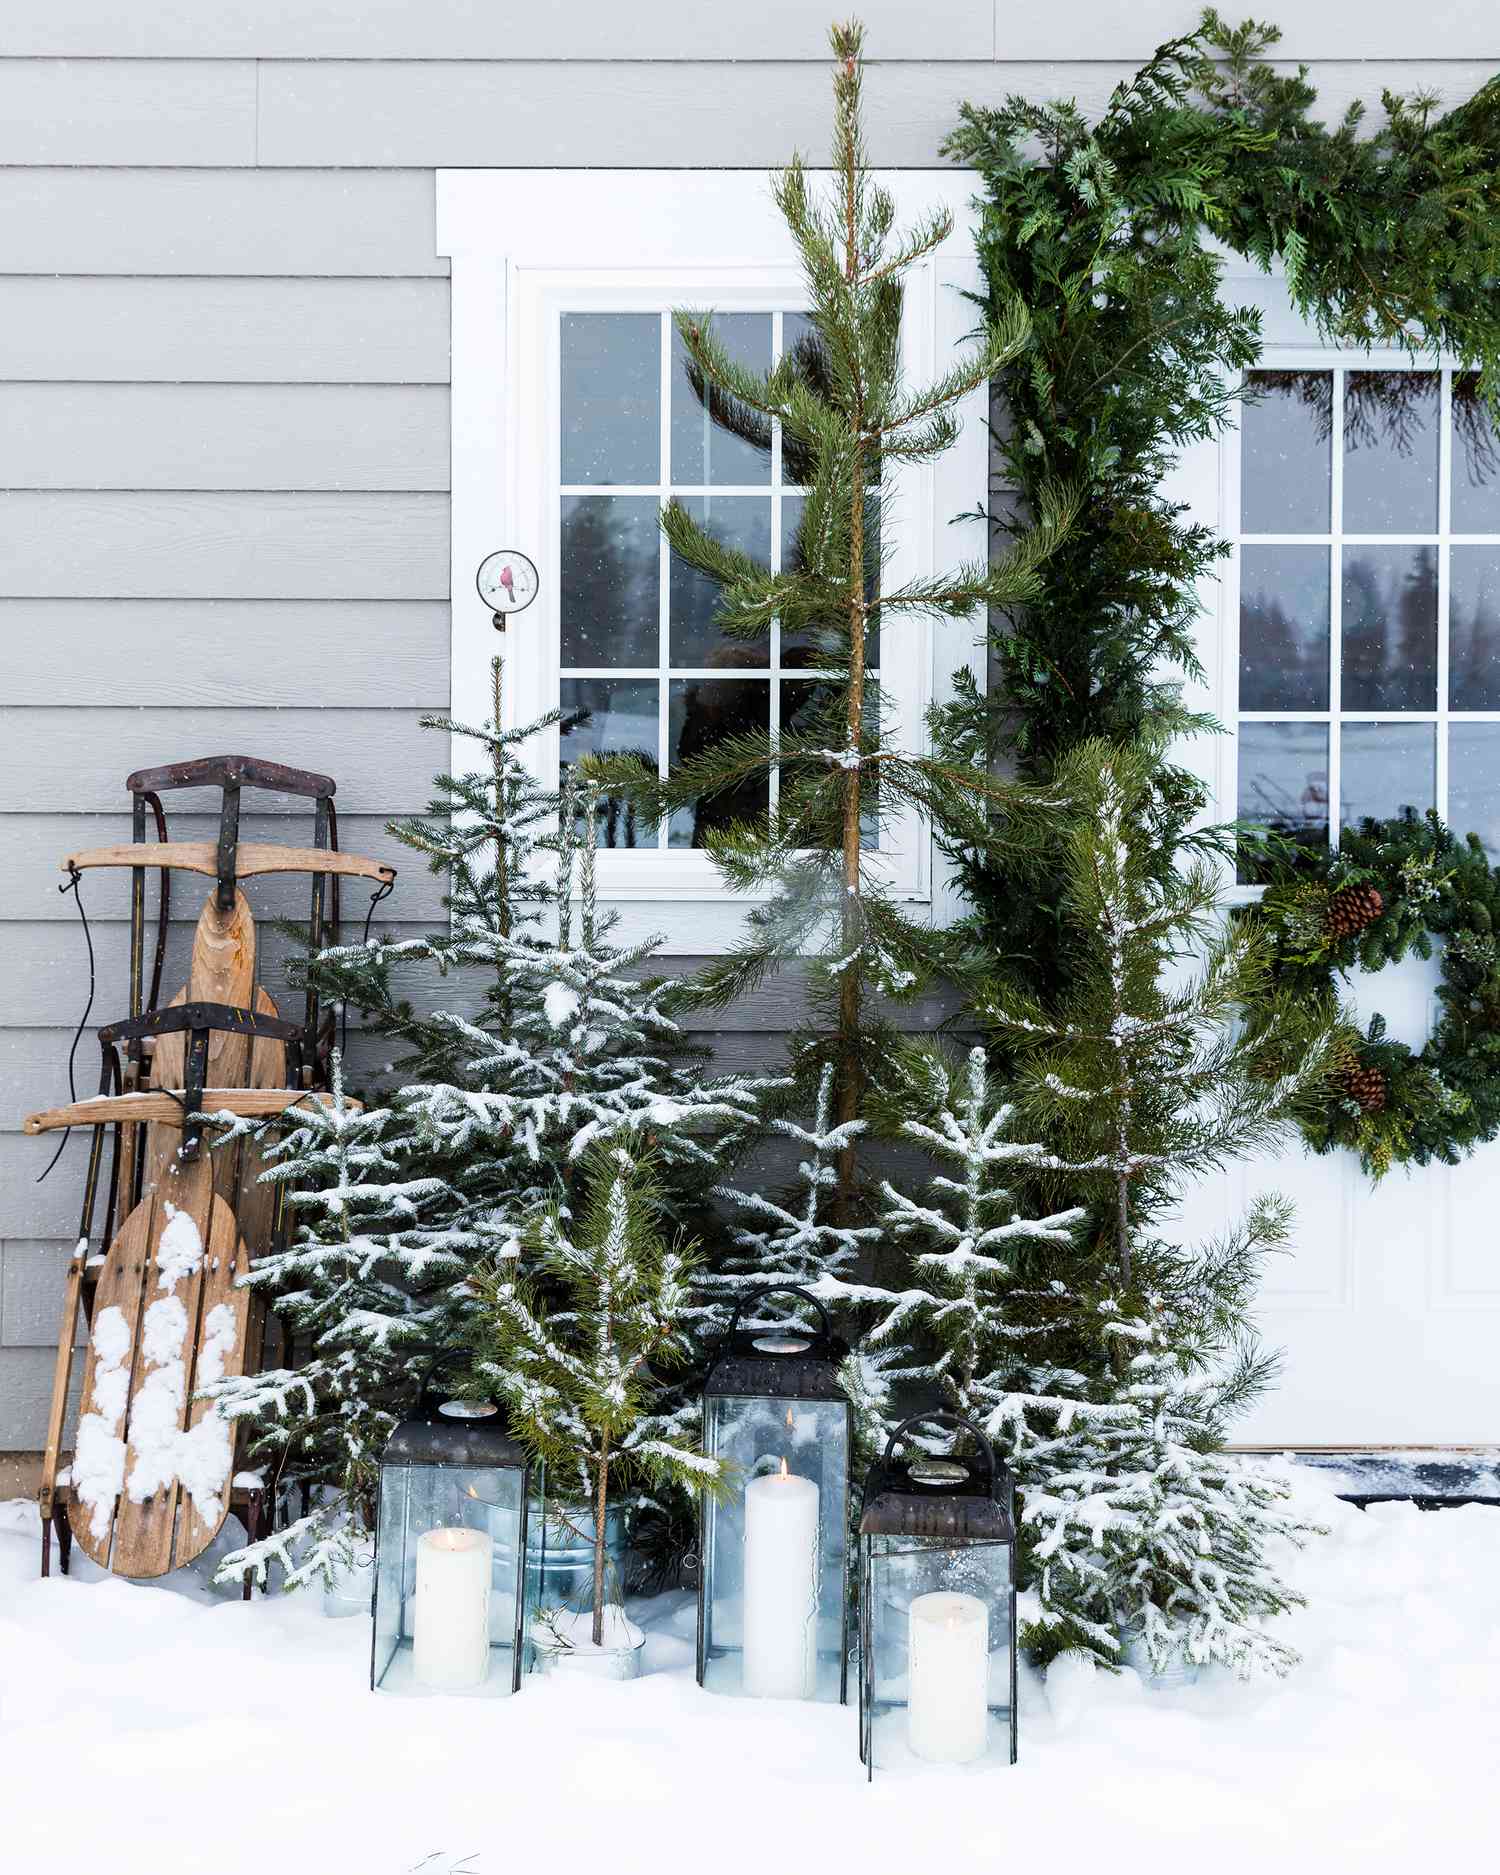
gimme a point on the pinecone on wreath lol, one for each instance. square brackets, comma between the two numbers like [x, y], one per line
[1365, 1086]
[1350, 910]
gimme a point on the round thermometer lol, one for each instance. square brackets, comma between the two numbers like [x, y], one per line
[507, 580]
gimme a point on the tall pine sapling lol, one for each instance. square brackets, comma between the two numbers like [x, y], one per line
[578, 1378]
[363, 1288]
[849, 423]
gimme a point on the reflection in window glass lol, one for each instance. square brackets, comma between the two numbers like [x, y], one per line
[610, 580]
[1474, 628]
[611, 397]
[1386, 769]
[740, 521]
[613, 716]
[1390, 452]
[1475, 498]
[813, 710]
[1286, 428]
[716, 439]
[1390, 628]
[1474, 783]
[702, 712]
[1284, 611]
[1284, 780]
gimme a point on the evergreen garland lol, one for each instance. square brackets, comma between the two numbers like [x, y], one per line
[1099, 229]
[1392, 887]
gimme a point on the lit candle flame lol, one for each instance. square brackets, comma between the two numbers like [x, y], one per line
[784, 1471]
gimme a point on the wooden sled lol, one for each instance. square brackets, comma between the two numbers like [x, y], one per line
[153, 1473]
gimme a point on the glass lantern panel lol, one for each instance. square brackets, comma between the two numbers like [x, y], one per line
[938, 1683]
[774, 1600]
[560, 1559]
[425, 1635]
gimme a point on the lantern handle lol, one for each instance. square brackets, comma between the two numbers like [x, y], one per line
[956, 1420]
[781, 1289]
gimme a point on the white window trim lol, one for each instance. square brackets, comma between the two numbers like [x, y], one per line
[521, 242]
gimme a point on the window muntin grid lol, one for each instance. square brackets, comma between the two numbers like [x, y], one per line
[1368, 580]
[641, 667]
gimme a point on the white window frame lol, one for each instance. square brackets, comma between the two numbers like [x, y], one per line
[1211, 487]
[526, 245]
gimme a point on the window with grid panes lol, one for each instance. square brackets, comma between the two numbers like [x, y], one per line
[1369, 600]
[643, 668]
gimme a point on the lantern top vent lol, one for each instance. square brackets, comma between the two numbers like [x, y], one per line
[952, 1498]
[435, 1437]
[788, 1361]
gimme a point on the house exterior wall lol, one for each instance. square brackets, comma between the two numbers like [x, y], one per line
[224, 415]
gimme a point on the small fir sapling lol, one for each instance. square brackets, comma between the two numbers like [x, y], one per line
[578, 1378]
[1141, 1081]
[1146, 1528]
[965, 1325]
[367, 1287]
[849, 422]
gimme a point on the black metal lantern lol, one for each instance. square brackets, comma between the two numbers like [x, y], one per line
[937, 1608]
[450, 1537]
[772, 1591]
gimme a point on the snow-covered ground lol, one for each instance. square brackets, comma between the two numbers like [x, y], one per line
[146, 1731]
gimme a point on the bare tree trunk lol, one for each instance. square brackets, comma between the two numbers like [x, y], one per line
[600, 1492]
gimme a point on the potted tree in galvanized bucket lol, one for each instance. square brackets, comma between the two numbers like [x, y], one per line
[576, 1327]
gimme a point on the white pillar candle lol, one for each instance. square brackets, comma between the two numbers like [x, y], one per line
[450, 1616]
[781, 1586]
[947, 1708]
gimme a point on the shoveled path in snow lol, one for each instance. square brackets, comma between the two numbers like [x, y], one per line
[152, 1730]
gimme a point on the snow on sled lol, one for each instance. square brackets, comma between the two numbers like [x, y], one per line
[152, 1476]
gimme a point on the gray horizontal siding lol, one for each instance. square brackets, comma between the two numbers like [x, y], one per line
[229, 221]
[492, 29]
[137, 111]
[224, 436]
[199, 544]
[224, 331]
[246, 653]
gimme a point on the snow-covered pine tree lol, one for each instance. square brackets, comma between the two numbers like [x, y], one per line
[565, 1040]
[848, 419]
[579, 1378]
[365, 1287]
[970, 1325]
[1146, 1528]
[1143, 1080]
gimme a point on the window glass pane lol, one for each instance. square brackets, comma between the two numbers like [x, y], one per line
[815, 710]
[1284, 628]
[704, 711]
[1286, 429]
[611, 578]
[1474, 628]
[611, 397]
[1474, 783]
[617, 717]
[1390, 628]
[801, 339]
[1475, 507]
[1284, 780]
[1390, 452]
[1386, 769]
[715, 440]
[742, 521]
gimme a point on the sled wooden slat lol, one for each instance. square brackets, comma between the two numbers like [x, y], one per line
[224, 1261]
[163, 1106]
[144, 1525]
[120, 1284]
[252, 859]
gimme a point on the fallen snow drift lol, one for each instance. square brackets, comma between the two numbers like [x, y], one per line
[151, 1730]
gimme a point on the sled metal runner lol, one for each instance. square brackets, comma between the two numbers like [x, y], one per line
[181, 1224]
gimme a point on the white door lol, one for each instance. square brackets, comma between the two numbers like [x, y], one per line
[1354, 648]
[575, 421]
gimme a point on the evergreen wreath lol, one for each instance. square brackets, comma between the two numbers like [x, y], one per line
[1393, 887]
